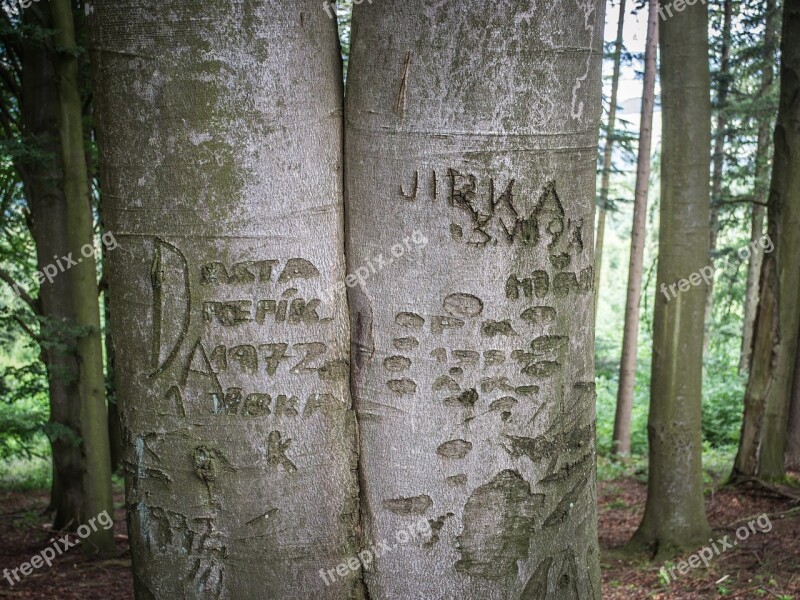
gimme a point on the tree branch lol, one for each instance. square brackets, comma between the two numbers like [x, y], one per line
[34, 304]
[27, 329]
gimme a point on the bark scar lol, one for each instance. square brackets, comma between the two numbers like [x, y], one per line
[400, 106]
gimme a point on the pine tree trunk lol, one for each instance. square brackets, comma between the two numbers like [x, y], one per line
[630, 339]
[763, 154]
[42, 176]
[718, 159]
[471, 137]
[83, 282]
[763, 440]
[220, 129]
[674, 518]
[608, 155]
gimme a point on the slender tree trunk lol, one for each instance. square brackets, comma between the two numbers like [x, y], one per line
[473, 372]
[220, 129]
[763, 440]
[718, 156]
[608, 155]
[42, 176]
[753, 273]
[761, 185]
[793, 441]
[83, 282]
[114, 427]
[674, 518]
[630, 339]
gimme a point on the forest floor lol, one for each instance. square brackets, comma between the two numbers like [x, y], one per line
[766, 565]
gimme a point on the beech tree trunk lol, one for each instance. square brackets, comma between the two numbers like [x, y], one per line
[761, 186]
[763, 440]
[83, 281]
[608, 155]
[674, 518]
[42, 177]
[473, 372]
[718, 156]
[220, 129]
[630, 339]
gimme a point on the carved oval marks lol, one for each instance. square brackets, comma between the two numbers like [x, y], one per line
[495, 328]
[456, 480]
[465, 399]
[417, 505]
[404, 387]
[463, 305]
[539, 315]
[454, 449]
[406, 343]
[397, 363]
[410, 320]
[503, 404]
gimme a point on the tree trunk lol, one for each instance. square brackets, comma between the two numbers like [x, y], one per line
[114, 428]
[630, 339]
[48, 215]
[793, 442]
[83, 282]
[674, 518]
[761, 185]
[473, 372]
[608, 155]
[220, 129]
[763, 440]
[718, 158]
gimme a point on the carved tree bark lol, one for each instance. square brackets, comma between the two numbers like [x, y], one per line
[674, 517]
[608, 155]
[630, 337]
[762, 444]
[473, 372]
[222, 154]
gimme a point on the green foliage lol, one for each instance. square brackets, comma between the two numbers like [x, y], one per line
[19, 474]
[344, 15]
[23, 411]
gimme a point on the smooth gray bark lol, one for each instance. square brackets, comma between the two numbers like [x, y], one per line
[475, 128]
[222, 155]
[674, 518]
